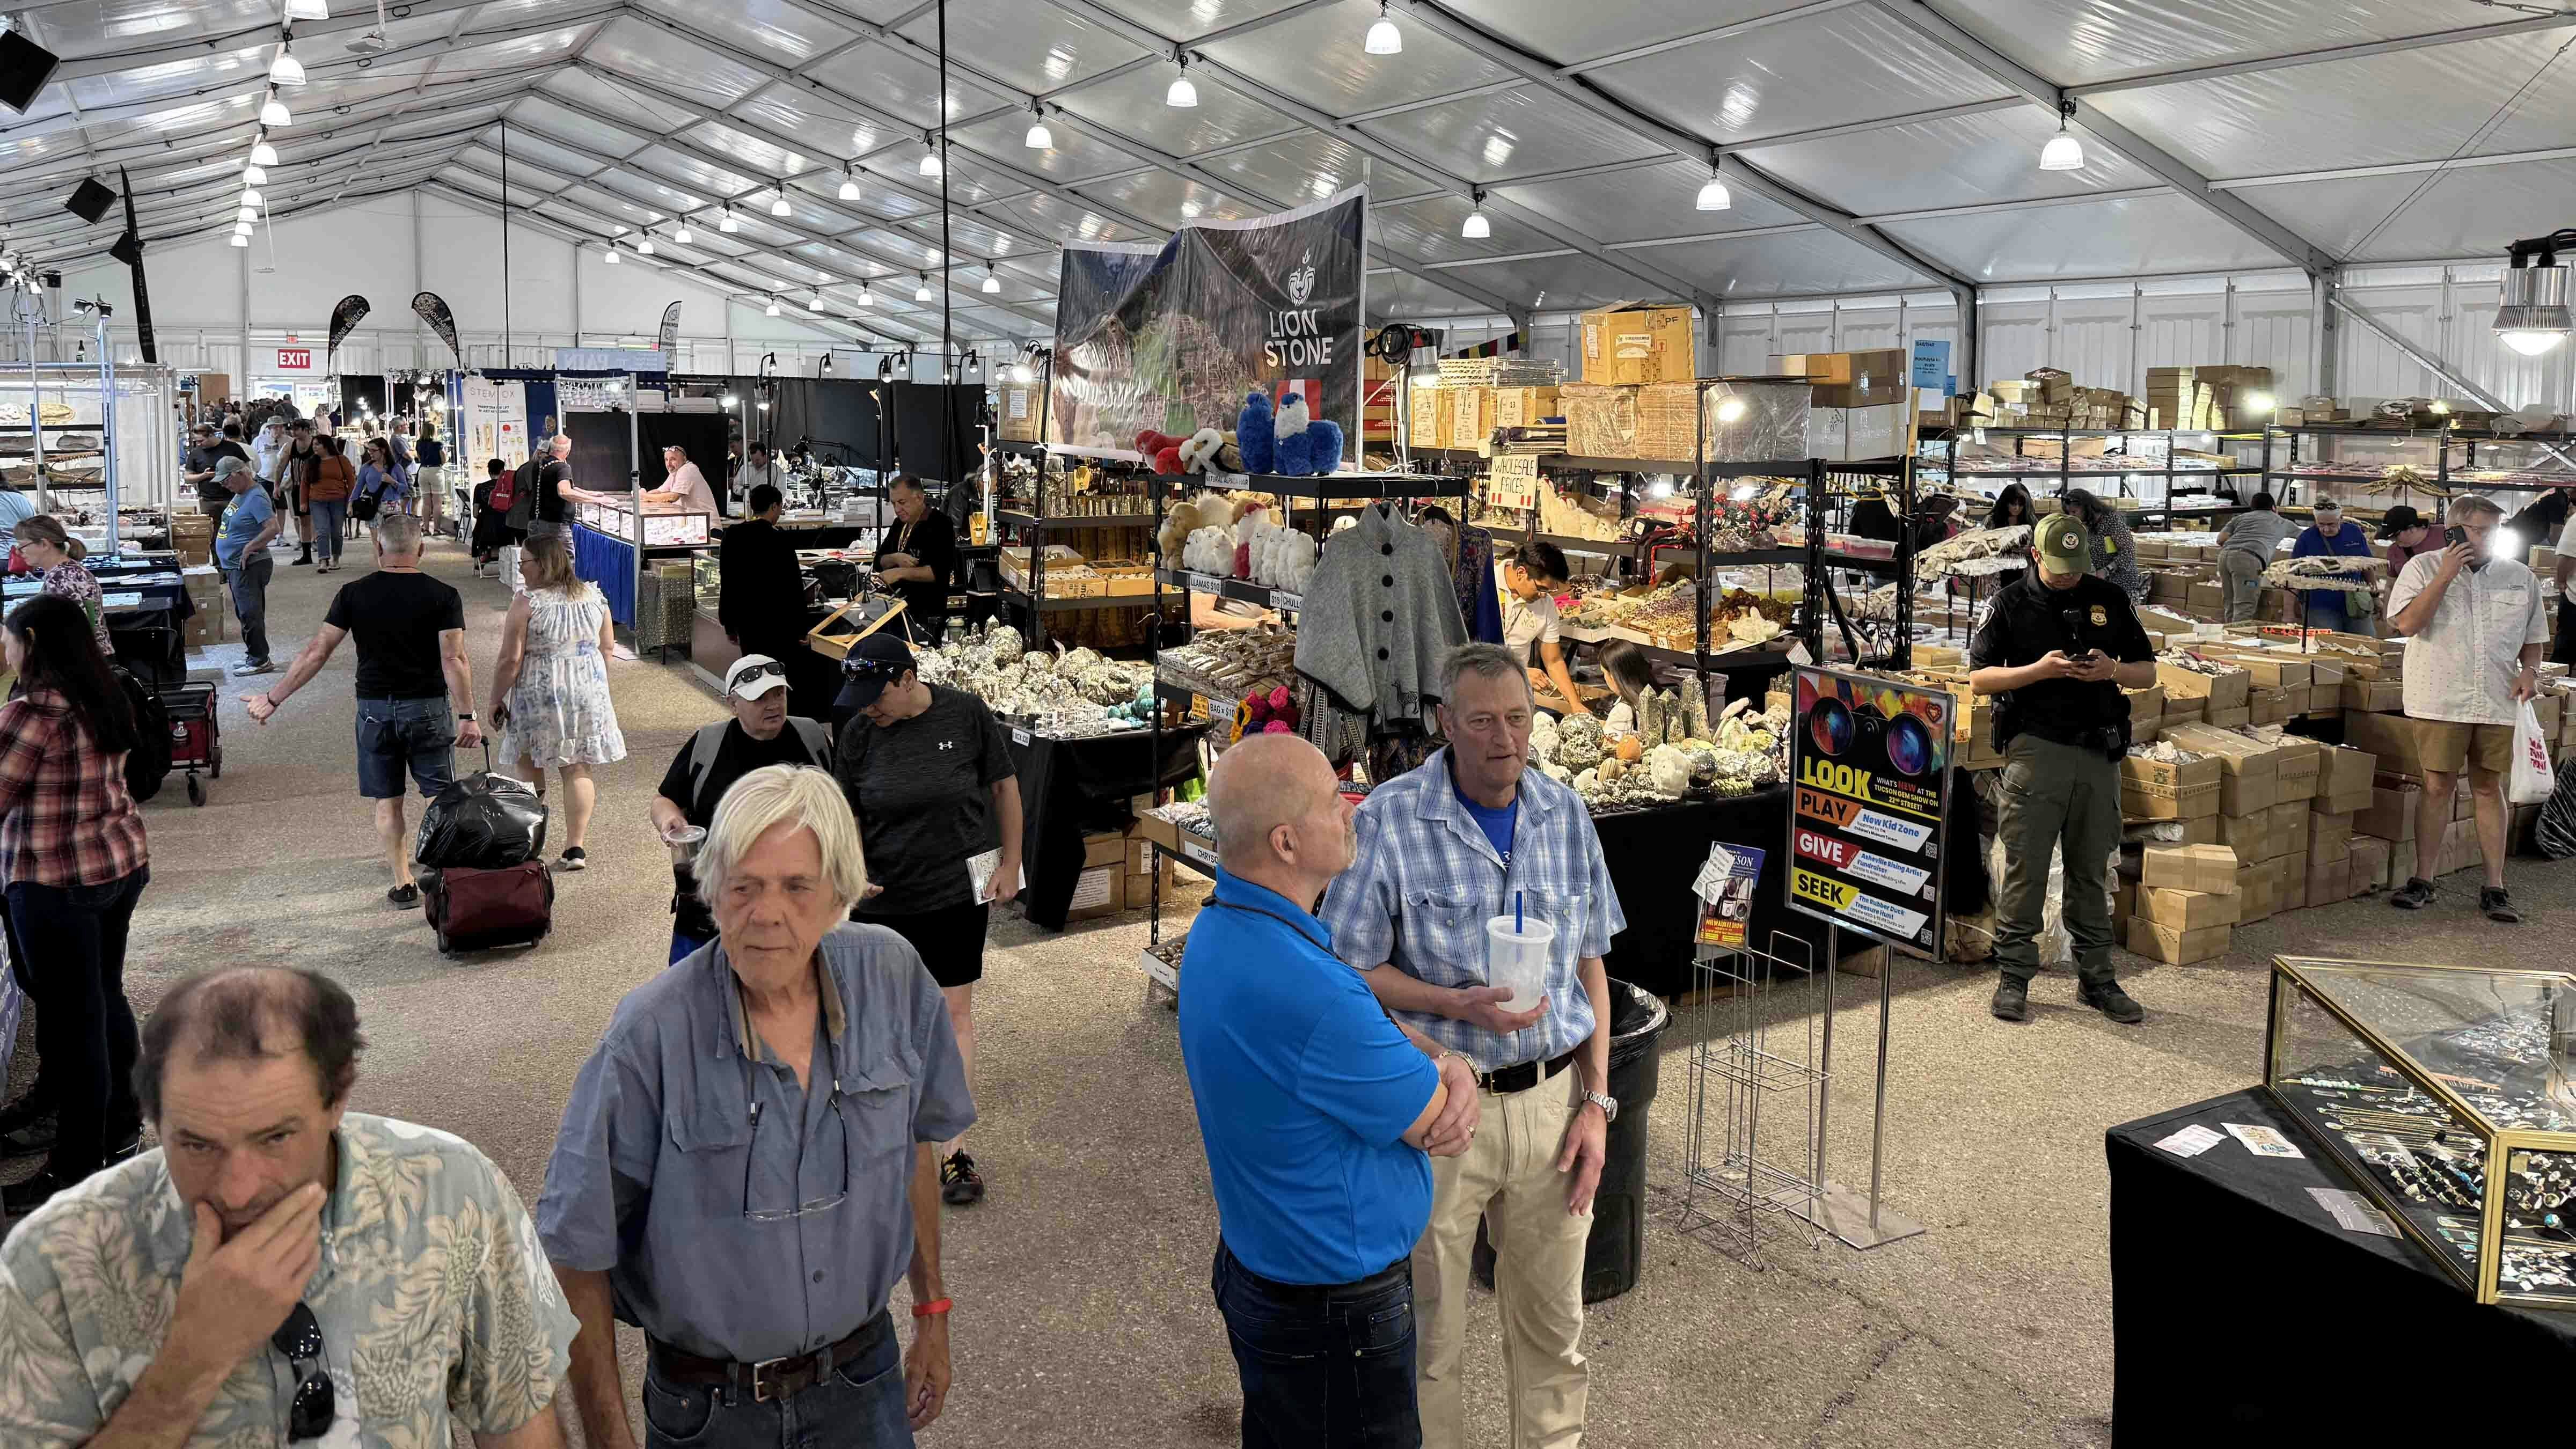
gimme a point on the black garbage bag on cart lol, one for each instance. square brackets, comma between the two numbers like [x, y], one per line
[481, 821]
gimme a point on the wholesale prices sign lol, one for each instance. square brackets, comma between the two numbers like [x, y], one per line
[1869, 762]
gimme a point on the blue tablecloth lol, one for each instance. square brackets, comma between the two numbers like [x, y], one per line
[609, 563]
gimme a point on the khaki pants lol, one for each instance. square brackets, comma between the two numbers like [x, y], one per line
[1507, 1176]
[2241, 574]
[2056, 796]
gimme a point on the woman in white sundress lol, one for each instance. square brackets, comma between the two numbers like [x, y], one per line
[550, 686]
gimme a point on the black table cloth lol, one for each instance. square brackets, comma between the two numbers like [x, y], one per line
[2241, 1314]
[1073, 787]
[1655, 855]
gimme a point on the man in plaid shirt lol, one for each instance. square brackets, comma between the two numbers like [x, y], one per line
[1443, 849]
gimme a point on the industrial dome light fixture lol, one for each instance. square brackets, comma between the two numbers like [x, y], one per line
[286, 70]
[992, 284]
[274, 114]
[611, 249]
[778, 204]
[241, 238]
[262, 153]
[849, 183]
[866, 297]
[251, 197]
[2534, 318]
[307, 10]
[682, 235]
[725, 221]
[931, 167]
[2063, 152]
[254, 176]
[1182, 96]
[1714, 196]
[644, 243]
[1383, 37]
[247, 213]
[1039, 137]
[1475, 227]
[772, 310]
[728, 400]
[922, 293]
[817, 304]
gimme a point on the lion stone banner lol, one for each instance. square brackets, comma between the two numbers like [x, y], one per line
[1171, 338]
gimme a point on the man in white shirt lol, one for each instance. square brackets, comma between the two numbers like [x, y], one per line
[682, 483]
[1528, 583]
[758, 468]
[2474, 631]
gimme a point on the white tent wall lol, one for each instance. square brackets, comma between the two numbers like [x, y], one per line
[389, 247]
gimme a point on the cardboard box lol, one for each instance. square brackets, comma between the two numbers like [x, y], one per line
[1426, 418]
[2206, 868]
[2289, 827]
[2460, 848]
[1015, 414]
[1519, 407]
[2250, 772]
[2371, 860]
[2157, 790]
[2207, 601]
[2373, 696]
[2328, 881]
[1879, 431]
[2250, 835]
[2183, 712]
[2188, 910]
[2215, 691]
[2391, 812]
[2342, 770]
[2329, 836]
[1815, 367]
[1870, 379]
[2394, 738]
[1600, 421]
[2258, 896]
[2231, 719]
[2267, 706]
[1632, 344]
[2302, 762]
[2178, 948]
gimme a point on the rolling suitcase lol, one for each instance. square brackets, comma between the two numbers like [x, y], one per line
[477, 910]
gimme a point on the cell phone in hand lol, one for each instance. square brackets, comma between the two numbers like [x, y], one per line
[2455, 534]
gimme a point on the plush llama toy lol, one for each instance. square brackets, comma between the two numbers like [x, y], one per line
[1304, 445]
[1253, 434]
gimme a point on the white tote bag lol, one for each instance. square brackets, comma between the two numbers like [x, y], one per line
[2533, 778]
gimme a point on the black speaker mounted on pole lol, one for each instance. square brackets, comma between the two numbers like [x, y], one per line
[25, 66]
[91, 201]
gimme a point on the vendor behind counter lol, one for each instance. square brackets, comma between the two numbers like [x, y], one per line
[761, 602]
[917, 558]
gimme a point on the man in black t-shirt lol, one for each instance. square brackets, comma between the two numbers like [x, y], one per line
[2058, 646]
[209, 450]
[411, 664]
[761, 602]
[919, 558]
[760, 733]
[545, 485]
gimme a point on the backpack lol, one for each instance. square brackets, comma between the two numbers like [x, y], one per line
[709, 740]
[505, 489]
[148, 763]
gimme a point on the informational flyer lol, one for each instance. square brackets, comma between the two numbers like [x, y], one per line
[1726, 887]
[1869, 761]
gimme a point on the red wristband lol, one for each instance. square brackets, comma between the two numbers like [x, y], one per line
[934, 1306]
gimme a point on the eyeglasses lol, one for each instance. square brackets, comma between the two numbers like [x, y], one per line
[309, 1413]
[870, 666]
[831, 1104]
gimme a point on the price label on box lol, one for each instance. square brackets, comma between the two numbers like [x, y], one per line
[1512, 482]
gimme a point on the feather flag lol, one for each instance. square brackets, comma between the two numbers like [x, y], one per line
[432, 309]
[344, 320]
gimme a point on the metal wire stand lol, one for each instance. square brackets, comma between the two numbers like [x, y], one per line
[1760, 1065]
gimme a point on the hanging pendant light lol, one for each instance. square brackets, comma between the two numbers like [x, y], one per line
[254, 176]
[286, 70]
[307, 10]
[866, 297]
[241, 228]
[778, 207]
[644, 245]
[773, 308]
[849, 183]
[817, 305]
[247, 213]
[726, 223]
[1383, 37]
[683, 235]
[274, 114]
[1475, 227]
[612, 254]
[1039, 137]
[992, 284]
[1714, 196]
[241, 238]
[263, 154]
[923, 293]
[930, 164]
[1183, 95]
[2063, 152]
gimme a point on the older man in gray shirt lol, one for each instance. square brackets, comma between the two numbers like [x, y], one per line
[746, 1166]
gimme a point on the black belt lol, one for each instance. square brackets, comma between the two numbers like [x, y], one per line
[1401, 1270]
[777, 1378]
[1522, 1077]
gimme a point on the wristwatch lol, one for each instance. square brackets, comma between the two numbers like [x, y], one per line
[465, 717]
[1608, 1104]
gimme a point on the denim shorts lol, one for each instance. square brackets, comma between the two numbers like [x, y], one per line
[395, 735]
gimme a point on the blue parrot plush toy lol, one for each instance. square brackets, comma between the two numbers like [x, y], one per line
[1253, 436]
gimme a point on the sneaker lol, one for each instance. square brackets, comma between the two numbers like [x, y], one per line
[405, 896]
[249, 667]
[2415, 895]
[2012, 1001]
[959, 1183]
[574, 858]
[2112, 1002]
[2497, 904]
[302, 561]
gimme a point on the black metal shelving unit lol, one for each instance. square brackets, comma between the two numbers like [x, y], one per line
[2443, 440]
[2065, 475]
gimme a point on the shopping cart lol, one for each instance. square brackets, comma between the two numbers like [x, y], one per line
[196, 743]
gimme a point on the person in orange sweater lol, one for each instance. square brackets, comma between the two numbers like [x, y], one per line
[334, 478]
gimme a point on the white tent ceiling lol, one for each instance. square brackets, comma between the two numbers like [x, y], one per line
[1869, 144]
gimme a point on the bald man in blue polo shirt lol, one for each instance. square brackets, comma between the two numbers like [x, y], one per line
[1319, 1114]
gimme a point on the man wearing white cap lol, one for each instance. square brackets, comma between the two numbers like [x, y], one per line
[761, 732]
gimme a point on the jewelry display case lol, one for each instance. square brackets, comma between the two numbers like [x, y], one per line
[663, 527]
[2446, 1092]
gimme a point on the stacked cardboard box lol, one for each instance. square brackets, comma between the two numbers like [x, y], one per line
[192, 536]
[2187, 903]
[205, 587]
[1627, 343]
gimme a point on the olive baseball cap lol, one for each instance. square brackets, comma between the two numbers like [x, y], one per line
[2063, 547]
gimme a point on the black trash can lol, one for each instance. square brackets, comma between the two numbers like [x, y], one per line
[1616, 1252]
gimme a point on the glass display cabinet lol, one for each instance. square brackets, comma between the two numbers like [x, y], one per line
[2445, 1091]
[662, 527]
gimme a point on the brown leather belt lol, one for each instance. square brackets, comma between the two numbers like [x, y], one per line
[1522, 1077]
[777, 1378]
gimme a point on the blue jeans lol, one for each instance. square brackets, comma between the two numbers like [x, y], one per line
[1327, 1367]
[329, 514]
[395, 735]
[856, 1406]
[74, 937]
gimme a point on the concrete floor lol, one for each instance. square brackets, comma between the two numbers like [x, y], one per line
[1083, 1315]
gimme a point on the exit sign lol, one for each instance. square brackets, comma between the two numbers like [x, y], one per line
[295, 358]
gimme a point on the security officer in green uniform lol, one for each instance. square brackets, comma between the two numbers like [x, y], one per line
[2056, 648]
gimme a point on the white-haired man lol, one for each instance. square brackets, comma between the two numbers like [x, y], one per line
[1442, 850]
[746, 1165]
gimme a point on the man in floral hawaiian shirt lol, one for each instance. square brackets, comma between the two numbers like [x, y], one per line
[281, 1270]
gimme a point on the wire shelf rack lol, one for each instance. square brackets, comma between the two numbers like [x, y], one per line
[1759, 1075]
